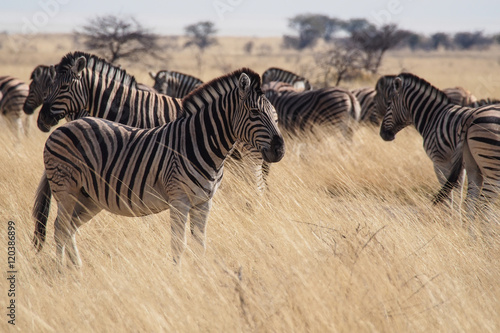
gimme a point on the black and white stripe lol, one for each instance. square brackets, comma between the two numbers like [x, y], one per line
[13, 93]
[93, 164]
[41, 78]
[174, 84]
[453, 137]
[280, 75]
[460, 96]
[302, 110]
[366, 98]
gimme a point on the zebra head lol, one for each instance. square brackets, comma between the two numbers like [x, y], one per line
[397, 115]
[42, 78]
[67, 96]
[383, 90]
[256, 121]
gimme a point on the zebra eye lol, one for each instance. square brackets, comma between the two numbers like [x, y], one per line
[254, 111]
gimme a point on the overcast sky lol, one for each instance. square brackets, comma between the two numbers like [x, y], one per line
[250, 17]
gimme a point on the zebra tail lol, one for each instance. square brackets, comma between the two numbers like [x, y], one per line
[451, 182]
[41, 211]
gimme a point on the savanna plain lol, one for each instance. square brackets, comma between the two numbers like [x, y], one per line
[345, 239]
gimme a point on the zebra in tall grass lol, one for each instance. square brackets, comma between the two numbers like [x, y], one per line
[453, 136]
[41, 78]
[13, 93]
[302, 110]
[87, 82]
[366, 98]
[280, 75]
[93, 164]
[174, 84]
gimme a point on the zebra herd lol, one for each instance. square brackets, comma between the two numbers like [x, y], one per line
[135, 150]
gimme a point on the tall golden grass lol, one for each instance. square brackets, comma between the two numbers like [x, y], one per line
[345, 240]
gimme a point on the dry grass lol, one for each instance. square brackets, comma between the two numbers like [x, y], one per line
[345, 241]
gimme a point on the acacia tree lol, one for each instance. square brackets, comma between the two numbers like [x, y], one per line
[201, 36]
[118, 37]
[338, 62]
[310, 28]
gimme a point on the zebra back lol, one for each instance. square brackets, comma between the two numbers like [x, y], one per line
[460, 96]
[366, 98]
[13, 93]
[175, 84]
[281, 75]
[484, 101]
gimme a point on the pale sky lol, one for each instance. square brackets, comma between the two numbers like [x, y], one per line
[250, 17]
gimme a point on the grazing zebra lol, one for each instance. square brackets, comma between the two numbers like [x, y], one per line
[174, 84]
[42, 78]
[281, 75]
[460, 96]
[302, 110]
[93, 164]
[13, 93]
[453, 137]
[366, 97]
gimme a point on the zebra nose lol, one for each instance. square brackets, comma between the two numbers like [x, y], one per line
[387, 135]
[28, 109]
[278, 147]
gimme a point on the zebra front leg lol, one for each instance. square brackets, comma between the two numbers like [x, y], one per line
[178, 215]
[198, 221]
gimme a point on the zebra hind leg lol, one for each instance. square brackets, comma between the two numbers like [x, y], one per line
[179, 210]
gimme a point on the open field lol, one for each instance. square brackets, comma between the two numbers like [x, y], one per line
[346, 239]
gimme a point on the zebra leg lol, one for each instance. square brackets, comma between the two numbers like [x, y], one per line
[27, 123]
[475, 183]
[198, 221]
[64, 228]
[178, 215]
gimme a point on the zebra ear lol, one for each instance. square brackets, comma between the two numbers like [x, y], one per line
[244, 86]
[153, 75]
[36, 73]
[397, 85]
[52, 72]
[79, 65]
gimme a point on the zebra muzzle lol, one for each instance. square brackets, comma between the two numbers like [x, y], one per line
[276, 151]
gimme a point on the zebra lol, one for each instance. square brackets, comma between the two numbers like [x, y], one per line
[174, 84]
[366, 97]
[280, 75]
[453, 137]
[41, 78]
[302, 110]
[13, 93]
[460, 96]
[87, 82]
[93, 164]
[484, 101]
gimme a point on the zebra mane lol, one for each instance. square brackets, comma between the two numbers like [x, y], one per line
[414, 80]
[231, 78]
[94, 63]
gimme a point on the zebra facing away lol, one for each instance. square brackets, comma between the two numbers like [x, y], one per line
[174, 84]
[280, 75]
[302, 110]
[93, 164]
[454, 137]
[13, 93]
[366, 97]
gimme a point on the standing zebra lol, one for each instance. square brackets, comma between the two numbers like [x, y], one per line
[281, 75]
[13, 93]
[174, 84]
[86, 82]
[366, 97]
[453, 136]
[42, 78]
[93, 164]
[302, 110]
[460, 96]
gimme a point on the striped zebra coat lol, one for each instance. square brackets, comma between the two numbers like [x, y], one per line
[454, 137]
[93, 164]
[174, 84]
[41, 78]
[274, 74]
[366, 97]
[13, 93]
[303, 110]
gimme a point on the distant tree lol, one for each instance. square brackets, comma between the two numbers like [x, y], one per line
[117, 37]
[357, 25]
[340, 61]
[310, 28]
[468, 40]
[415, 41]
[201, 36]
[374, 42]
[441, 39]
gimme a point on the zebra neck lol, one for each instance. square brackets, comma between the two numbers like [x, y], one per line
[425, 106]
